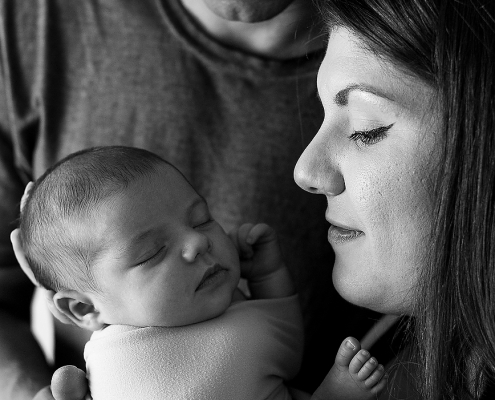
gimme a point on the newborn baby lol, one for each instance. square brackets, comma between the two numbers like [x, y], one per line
[133, 254]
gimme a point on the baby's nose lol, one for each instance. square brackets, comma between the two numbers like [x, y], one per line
[196, 244]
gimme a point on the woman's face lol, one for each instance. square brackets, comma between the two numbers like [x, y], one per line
[373, 158]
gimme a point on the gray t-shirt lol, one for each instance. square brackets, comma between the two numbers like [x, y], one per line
[77, 74]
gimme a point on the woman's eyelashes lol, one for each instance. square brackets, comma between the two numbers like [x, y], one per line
[371, 136]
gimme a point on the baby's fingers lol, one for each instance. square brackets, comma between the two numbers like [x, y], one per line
[243, 243]
[260, 233]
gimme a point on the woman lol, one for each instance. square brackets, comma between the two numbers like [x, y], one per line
[405, 160]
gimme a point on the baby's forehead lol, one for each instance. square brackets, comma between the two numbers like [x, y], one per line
[150, 202]
[167, 172]
[173, 176]
[161, 188]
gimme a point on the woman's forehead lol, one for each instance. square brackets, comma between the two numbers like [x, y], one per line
[349, 68]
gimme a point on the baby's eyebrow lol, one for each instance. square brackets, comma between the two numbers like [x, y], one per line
[123, 249]
[129, 247]
[143, 236]
[154, 231]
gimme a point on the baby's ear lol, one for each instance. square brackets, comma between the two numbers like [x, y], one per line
[78, 308]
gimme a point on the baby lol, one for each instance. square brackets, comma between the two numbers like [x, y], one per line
[133, 254]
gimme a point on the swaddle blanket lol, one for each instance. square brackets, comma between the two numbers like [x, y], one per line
[246, 353]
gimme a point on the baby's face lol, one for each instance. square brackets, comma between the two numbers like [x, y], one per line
[166, 262]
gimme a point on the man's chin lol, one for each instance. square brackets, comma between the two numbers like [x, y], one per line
[247, 10]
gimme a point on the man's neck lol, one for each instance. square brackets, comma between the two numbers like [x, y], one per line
[295, 32]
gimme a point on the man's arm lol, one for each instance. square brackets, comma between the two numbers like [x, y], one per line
[23, 368]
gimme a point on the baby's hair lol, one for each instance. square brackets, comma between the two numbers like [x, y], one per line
[55, 221]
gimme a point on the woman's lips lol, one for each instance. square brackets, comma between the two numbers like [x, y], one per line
[211, 276]
[339, 235]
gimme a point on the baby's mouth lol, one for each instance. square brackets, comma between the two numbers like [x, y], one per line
[211, 275]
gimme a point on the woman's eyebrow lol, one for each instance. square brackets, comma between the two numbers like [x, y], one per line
[342, 97]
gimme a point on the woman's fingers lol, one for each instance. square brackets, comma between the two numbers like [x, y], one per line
[25, 196]
[20, 256]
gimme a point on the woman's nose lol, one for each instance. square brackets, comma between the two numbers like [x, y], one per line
[196, 244]
[316, 171]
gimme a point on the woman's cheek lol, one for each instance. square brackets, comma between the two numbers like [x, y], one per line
[378, 271]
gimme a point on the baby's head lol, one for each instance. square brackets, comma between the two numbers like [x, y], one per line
[123, 238]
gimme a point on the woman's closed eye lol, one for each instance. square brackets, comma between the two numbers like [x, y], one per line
[372, 136]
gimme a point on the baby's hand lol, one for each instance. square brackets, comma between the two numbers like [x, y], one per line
[259, 251]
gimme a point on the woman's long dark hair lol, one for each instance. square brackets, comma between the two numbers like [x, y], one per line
[449, 44]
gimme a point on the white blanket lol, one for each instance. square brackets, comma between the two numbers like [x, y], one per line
[246, 353]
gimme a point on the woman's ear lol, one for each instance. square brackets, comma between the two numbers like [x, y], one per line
[78, 308]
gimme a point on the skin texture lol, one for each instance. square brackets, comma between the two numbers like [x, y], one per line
[159, 241]
[378, 185]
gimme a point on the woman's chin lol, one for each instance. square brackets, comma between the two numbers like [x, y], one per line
[364, 291]
[355, 294]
